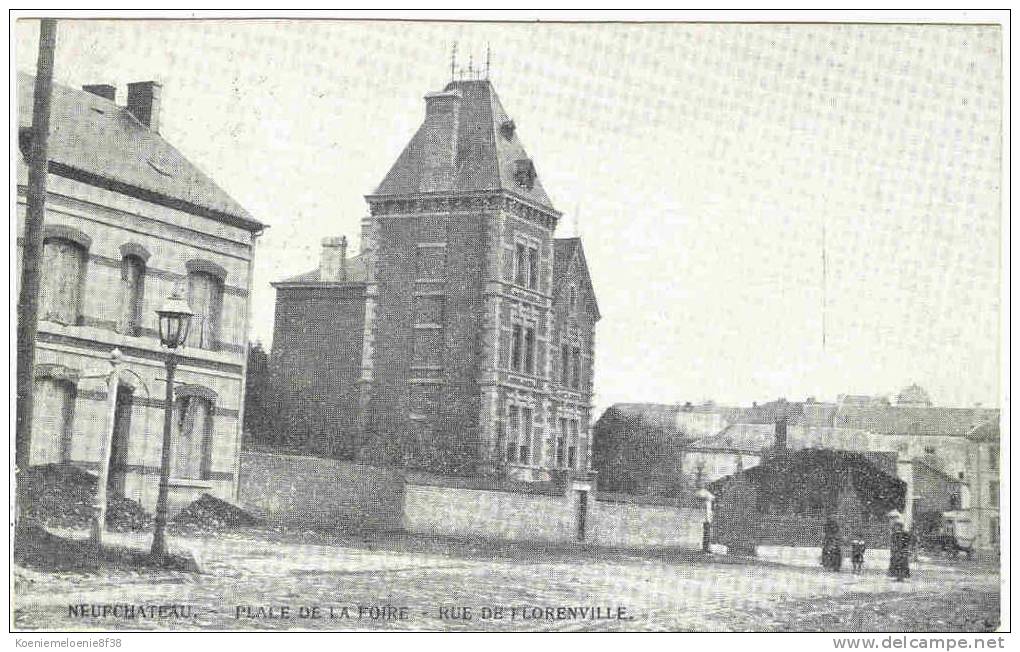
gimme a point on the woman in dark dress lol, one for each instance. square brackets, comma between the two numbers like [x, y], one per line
[899, 553]
[832, 547]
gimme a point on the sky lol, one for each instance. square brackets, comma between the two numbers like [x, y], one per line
[706, 167]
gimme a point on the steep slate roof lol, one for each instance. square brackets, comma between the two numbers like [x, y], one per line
[564, 252]
[751, 437]
[485, 160]
[100, 143]
[654, 415]
[355, 268]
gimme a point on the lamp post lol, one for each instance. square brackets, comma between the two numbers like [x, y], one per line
[174, 320]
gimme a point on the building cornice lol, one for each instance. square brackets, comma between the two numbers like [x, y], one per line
[445, 202]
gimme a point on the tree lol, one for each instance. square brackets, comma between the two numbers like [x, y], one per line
[258, 398]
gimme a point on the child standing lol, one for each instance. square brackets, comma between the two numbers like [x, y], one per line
[857, 548]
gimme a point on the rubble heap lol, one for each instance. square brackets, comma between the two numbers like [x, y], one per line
[210, 514]
[61, 495]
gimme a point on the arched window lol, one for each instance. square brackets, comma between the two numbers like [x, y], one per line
[63, 271]
[132, 280]
[205, 296]
[53, 415]
[192, 433]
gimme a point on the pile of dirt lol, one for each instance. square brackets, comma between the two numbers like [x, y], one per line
[61, 495]
[38, 550]
[210, 514]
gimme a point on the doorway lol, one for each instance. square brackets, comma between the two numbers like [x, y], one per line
[582, 514]
[119, 442]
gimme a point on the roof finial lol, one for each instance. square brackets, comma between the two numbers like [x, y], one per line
[453, 62]
[488, 60]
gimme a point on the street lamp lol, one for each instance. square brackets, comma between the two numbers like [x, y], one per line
[174, 320]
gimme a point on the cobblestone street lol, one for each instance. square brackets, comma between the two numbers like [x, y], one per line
[437, 589]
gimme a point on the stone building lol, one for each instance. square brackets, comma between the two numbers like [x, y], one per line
[947, 456]
[129, 220]
[462, 335]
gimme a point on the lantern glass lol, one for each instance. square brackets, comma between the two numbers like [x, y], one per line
[174, 321]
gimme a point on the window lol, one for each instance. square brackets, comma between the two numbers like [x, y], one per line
[960, 475]
[515, 433]
[994, 530]
[575, 371]
[572, 449]
[532, 268]
[519, 275]
[515, 352]
[993, 458]
[524, 173]
[525, 443]
[573, 299]
[930, 450]
[194, 430]
[565, 365]
[205, 296]
[132, 280]
[529, 350]
[954, 501]
[53, 414]
[561, 443]
[993, 493]
[63, 268]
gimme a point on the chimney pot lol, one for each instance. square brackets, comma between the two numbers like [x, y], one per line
[106, 91]
[333, 265]
[143, 103]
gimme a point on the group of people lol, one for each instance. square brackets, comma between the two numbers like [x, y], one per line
[899, 550]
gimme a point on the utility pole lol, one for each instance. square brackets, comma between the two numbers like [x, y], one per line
[28, 298]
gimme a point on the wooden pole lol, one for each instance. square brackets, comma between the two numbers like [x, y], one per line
[28, 298]
[99, 506]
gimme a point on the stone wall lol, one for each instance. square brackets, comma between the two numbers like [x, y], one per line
[502, 515]
[320, 493]
[548, 517]
[630, 525]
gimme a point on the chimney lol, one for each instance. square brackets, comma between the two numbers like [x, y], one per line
[442, 123]
[781, 433]
[143, 103]
[333, 264]
[106, 91]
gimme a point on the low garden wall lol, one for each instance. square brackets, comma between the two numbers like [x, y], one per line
[316, 492]
[321, 493]
[628, 524]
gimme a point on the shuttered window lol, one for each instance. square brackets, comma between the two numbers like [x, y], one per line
[529, 350]
[514, 434]
[518, 343]
[193, 431]
[132, 279]
[63, 268]
[525, 442]
[205, 296]
[53, 414]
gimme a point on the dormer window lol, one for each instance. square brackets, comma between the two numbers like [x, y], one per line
[507, 129]
[524, 173]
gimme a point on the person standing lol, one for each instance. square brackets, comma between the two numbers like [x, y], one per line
[899, 552]
[832, 547]
[857, 548]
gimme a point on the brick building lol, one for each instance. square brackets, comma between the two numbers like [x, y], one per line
[462, 335]
[129, 220]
